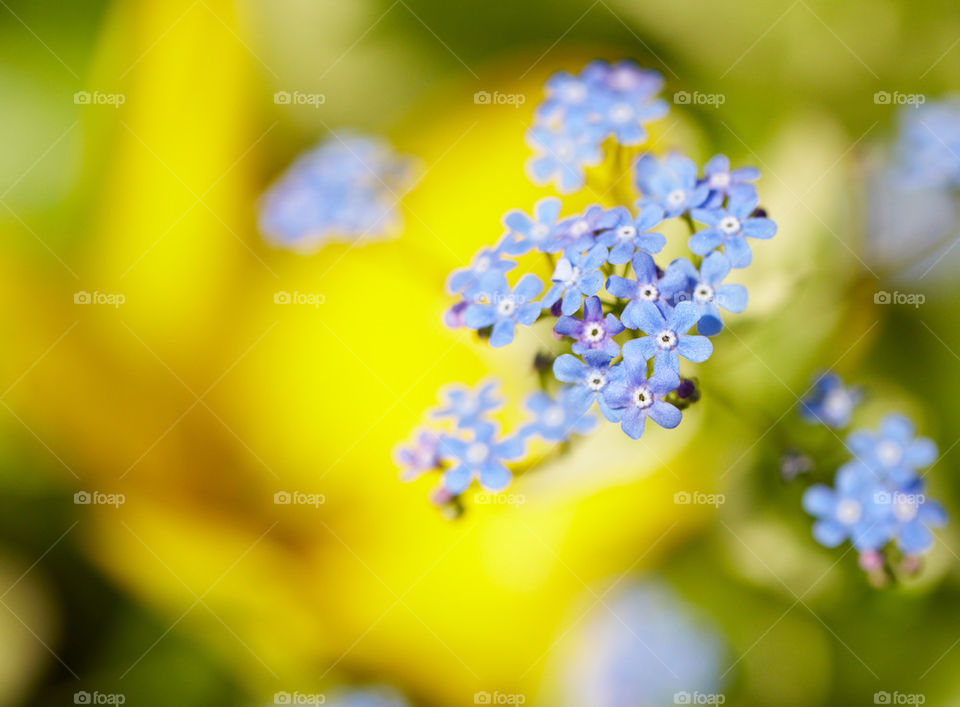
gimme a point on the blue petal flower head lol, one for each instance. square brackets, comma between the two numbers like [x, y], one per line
[469, 408]
[557, 418]
[720, 178]
[418, 457]
[648, 285]
[347, 188]
[594, 332]
[371, 696]
[537, 233]
[929, 145]
[562, 155]
[588, 380]
[707, 291]
[830, 402]
[638, 398]
[576, 275]
[850, 510]
[505, 308]
[480, 458]
[730, 228]
[893, 452]
[625, 116]
[487, 260]
[912, 515]
[666, 337]
[671, 183]
[567, 95]
[628, 234]
[578, 233]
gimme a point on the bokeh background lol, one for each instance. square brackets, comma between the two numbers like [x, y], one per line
[199, 398]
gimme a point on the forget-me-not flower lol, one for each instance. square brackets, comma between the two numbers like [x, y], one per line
[526, 234]
[629, 234]
[588, 378]
[506, 308]
[556, 418]
[648, 285]
[830, 402]
[481, 458]
[671, 183]
[708, 292]
[731, 226]
[666, 337]
[594, 332]
[637, 398]
[576, 275]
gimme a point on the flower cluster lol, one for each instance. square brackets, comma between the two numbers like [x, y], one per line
[878, 498]
[346, 188]
[624, 327]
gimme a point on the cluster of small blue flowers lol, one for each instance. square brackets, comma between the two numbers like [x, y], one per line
[928, 151]
[626, 322]
[878, 497]
[346, 188]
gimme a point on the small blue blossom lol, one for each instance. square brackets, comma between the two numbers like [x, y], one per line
[638, 398]
[629, 234]
[487, 260]
[707, 292]
[913, 515]
[506, 308]
[418, 457]
[562, 156]
[850, 510]
[576, 275]
[469, 408]
[625, 116]
[594, 332]
[893, 452]
[928, 153]
[557, 418]
[480, 458]
[648, 285]
[588, 379]
[830, 402]
[720, 178]
[731, 226]
[670, 183]
[526, 234]
[666, 337]
[578, 233]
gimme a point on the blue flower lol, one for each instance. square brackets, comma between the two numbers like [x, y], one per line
[420, 456]
[830, 402]
[588, 380]
[625, 115]
[578, 233]
[720, 178]
[487, 260]
[730, 228]
[850, 510]
[929, 145]
[595, 332]
[576, 275]
[467, 407]
[893, 453]
[637, 398]
[707, 292]
[557, 418]
[648, 285]
[912, 516]
[526, 234]
[505, 308]
[627, 234]
[562, 156]
[666, 338]
[480, 458]
[567, 95]
[671, 183]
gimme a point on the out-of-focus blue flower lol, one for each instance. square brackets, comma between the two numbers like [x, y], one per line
[418, 457]
[468, 407]
[576, 275]
[377, 696]
[557, 418]
[671, 183]
[830, 402]
[644, 647]
[731, 226]
[594, 332]
[578, 233]
[346, 188]
[850, 510]
[480, 458]
[638, 398]
[486, 261]
[526, 234]
[720, 178]
[928, 153]
[707, 292]
[628, 234]
[506, 308]
[912, 515]
[666, 337]
[588, 379]
[562, 156]
[648, 285]
[893, 452]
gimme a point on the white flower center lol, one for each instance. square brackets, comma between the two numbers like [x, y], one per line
[625, 233]
[889, 452]
[564, 150]
[574, 276]
[720, 180]
[579, 227]
[666, 339]
[539, 232]
[848, 511]
[593, 332]
[483, 263]
[506, 306]
[729, 224]
[905, 510]
[596, 380]
[574, 92]
[554, 416]
[477, 453]
[703, 293]
[837, 404]
[642, 397]
[621, 113]
[622, 79]
[649, 292]
[677, 197]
